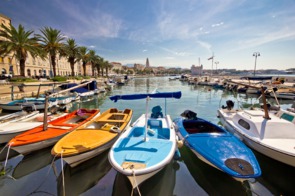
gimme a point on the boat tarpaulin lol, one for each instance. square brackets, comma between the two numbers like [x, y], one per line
[257, 78]
[176, 95]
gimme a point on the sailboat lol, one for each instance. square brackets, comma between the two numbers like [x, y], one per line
[149, 145]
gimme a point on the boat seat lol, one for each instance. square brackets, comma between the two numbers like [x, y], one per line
[199, 127]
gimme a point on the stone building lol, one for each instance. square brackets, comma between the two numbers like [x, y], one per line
[35, 66]
[6, 62]
[197, 70]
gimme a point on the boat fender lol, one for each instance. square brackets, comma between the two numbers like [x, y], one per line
[179, 143]
[115, 129]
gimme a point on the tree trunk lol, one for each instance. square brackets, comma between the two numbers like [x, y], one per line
[53, 65]
[98, 69]
[22, 66]
[92, 66]
[107, 71]
[102, 72]
[72, 68]
[84, 68]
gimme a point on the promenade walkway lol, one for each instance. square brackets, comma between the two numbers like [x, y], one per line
[5, 89]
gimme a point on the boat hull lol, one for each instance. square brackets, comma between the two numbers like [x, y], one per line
[39, 138]
[258, 145]
[93, 137]
[140, 159]
[26, 149]
[218, 148]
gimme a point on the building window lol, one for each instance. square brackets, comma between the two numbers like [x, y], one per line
[1, 60]
[28, 72]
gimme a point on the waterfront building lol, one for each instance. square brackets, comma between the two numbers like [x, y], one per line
[138, 67]
[115, 66]
[6, 62]
[197, 70]
[35, 66]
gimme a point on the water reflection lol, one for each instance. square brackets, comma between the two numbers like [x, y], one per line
[213, 181]
[3, 152]
[189, 176]
[162, 183]
[32, 162]
[79, 179]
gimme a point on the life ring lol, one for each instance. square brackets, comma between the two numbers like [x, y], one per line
[115, 129]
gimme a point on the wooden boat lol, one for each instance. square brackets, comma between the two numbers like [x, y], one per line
[44, 136]
[93, 137]
[146, 147]
[217, 147]
[9, 130]
[270, 133]
[36, 103]
[17, 116]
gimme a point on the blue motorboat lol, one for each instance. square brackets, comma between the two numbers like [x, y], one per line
[148, 145]
[216, 146]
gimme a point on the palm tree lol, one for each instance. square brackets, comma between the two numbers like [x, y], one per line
[107, 67]
[84, 57]
[52, 43]
[71, 51]
[99, 65]
[19, 42]
[93, 58]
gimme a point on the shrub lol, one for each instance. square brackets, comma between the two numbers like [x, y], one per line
[22, 79]
[59, 79]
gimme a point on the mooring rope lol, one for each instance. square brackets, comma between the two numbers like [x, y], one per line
[7, 155]
[4, 148]
[62, 173]
[36, 190]
[133, 173]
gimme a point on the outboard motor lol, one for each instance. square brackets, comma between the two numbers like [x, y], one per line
[229, 105]
[189, 114]
[157, 112]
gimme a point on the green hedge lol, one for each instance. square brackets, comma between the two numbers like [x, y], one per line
[22, 79]
[59, 79]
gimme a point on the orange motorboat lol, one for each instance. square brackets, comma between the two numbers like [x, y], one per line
[39, 137]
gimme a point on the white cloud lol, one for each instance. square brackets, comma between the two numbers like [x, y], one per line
[217, 24]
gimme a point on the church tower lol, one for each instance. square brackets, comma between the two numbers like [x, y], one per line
[147, 64]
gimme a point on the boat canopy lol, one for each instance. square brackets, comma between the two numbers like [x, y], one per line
[176, 95]
[257, 77]
[89, 87]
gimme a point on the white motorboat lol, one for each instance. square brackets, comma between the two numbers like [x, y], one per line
[148, 146]
[270, 133]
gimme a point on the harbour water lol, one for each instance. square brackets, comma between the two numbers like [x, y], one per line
[41, 174]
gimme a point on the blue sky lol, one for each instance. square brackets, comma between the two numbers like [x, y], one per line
[171, 33]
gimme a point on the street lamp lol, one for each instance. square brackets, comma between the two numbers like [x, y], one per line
[255, 54]
[216, 65]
